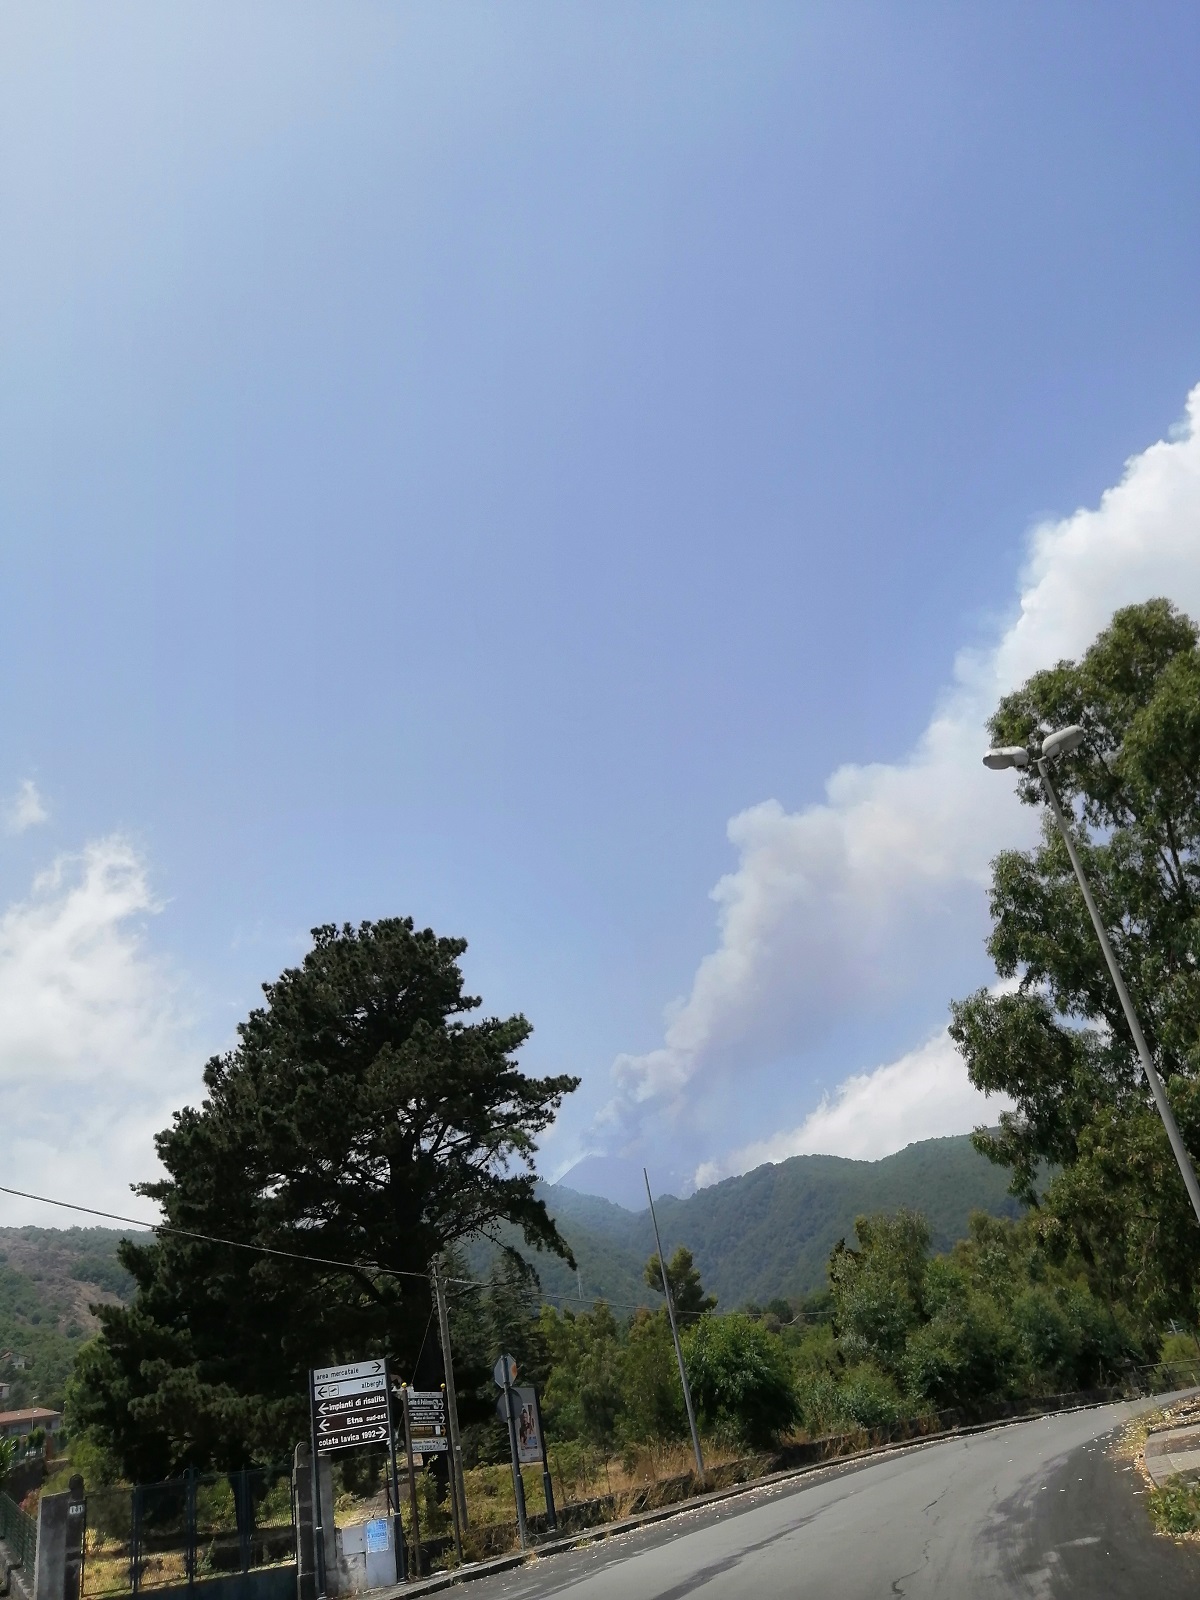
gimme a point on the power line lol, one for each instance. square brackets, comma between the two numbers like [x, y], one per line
[320, 1261]
[208, 1238]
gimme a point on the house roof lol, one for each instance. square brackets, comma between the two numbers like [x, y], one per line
[33, 1415]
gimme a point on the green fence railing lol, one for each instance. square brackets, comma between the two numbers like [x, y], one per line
[19, 1532]
[203, 1525]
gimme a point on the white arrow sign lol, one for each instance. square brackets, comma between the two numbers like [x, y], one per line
[356, 1406]
[354, 1369]
[344, 1424]
[331, 1391]
[344, 1441]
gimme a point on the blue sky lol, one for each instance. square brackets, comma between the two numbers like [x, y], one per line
[455, 458]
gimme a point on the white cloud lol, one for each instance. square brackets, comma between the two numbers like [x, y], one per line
[836, 908]
[26, 809]
[93, 1050]
[926, 1094]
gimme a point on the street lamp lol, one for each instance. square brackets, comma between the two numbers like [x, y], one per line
[1053, 746]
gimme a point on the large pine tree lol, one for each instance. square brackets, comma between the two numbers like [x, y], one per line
[359, 1119]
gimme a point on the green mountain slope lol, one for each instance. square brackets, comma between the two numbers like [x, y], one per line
[49, 1277]
[770, 1231]
[764, 1234]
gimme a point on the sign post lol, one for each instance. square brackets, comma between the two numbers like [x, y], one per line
[504, 1372]
[350, 1406]
[412, 1484]
[394, 1483]
[456, 1460]
[318, 1512]
[427, 1421]
[531, 1442]
[547, 1481]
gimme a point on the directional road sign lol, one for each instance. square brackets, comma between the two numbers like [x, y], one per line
[426, 1404]
[350, 1406]
[350, 1438]
[359, 1405]
[427, 1421]
[328, 1391]
[355, 1369]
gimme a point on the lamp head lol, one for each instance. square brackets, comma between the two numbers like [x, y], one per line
[1062, 742]
[1010, 755]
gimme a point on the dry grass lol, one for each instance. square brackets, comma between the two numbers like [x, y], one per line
[601, 1488]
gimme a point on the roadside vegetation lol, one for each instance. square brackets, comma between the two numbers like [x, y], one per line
[1175, 1507]
[901, 1335]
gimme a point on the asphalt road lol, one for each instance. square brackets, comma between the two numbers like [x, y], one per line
[1039, 1508]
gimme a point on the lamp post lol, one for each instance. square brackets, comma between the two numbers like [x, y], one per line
[1055, 745]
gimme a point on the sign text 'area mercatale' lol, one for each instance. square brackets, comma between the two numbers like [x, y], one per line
[350, 1406]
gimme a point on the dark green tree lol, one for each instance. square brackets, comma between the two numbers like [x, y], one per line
[687, 1292]
[879, 1289]
[360, 1119]
[965, 1350]
[651, 1397]
[583, 1395]
[1058, 1045]
[514, 1326]
[740, 1380]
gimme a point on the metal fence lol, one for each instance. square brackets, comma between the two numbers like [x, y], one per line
[1165, 1376]
[164, 1535]
[19, 1532]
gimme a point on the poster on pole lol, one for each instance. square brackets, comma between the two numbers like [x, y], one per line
[529, 1426]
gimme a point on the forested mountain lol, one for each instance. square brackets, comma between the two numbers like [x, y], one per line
[770, 1231]
[754, 1237]
[48, 1279]
[765, 1234]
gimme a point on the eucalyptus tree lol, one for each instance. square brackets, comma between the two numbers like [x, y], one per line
[1084, 1128]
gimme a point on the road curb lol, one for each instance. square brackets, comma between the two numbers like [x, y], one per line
[644, 1519]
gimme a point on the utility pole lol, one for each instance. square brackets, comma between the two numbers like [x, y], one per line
[687, 1393]
[415, 1555]
[458, 1486]
[505, 1372]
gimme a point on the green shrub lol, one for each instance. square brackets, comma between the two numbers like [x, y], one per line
[648, 1392]
[1180, 1347]
[861, 1397]
[740, 1380]
[815, 1351]
[967, 1352]
[1175, 1507]
[870, 1398]
[878, 1288]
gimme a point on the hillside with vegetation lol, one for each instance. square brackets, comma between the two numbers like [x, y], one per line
[764, 1236]
[769, 1233]
[49, 1280]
